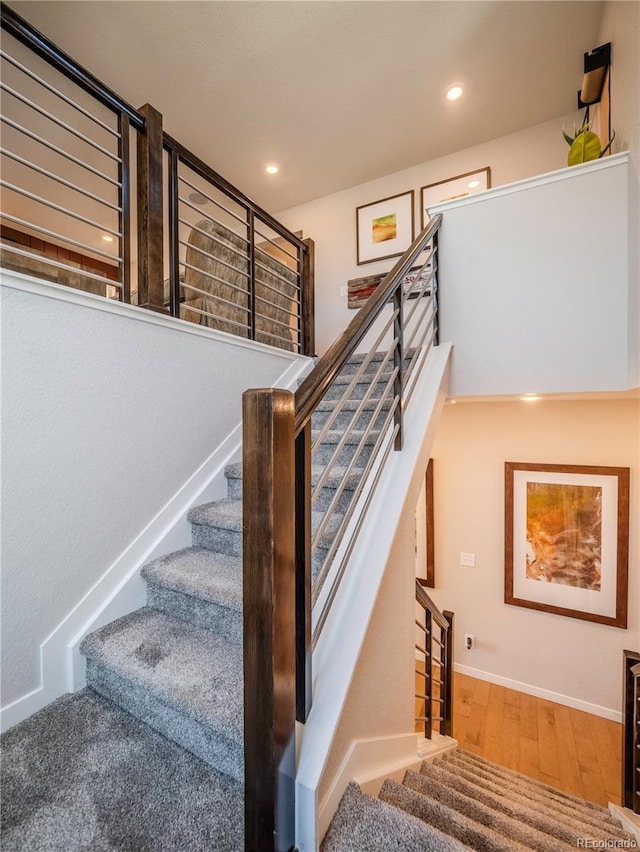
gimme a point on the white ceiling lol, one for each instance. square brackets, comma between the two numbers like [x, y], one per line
[336, 93]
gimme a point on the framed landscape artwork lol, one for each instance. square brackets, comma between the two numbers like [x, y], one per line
[567, 540]
[456, 187]
[384, 228]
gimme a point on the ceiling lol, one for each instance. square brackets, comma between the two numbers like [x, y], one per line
[337, 93]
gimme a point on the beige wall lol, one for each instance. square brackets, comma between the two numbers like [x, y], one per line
[567, 656]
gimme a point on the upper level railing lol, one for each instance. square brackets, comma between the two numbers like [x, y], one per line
[434, 666]
[83, 205]
[337, 429]
[631, 731]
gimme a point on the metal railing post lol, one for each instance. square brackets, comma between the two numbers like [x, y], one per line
[447, 677]
[398, 363]
[307, 300]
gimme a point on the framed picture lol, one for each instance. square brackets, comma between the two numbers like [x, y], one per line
[385, 228]
[452, 188]
[567, 540]
[359, 289]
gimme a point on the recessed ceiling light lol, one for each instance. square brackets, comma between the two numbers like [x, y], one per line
[272, 169]
[107, 238]
[474, 183]
[454, 93]
[530, 397]
[450, 401]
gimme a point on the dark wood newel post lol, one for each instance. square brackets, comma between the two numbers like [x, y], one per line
[269, 618]
[307, 300]
[150, 213]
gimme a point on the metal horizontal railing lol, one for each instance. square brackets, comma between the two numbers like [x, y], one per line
[232, 264]
[66, 212]
[75, 210]
[434, 667]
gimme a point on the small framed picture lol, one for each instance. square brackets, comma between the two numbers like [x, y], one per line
[384, 228]
[456, 187]
[567, 540]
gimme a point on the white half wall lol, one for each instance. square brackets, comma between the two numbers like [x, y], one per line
[331, 220]
[574, 662]
[107, 411]
[534, 284]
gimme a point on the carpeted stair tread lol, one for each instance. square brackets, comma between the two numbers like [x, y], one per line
[502, 780]
[335, 478]
[432, 784]
[522, 786]
[195, 672]
[82, 774]
[351, 405]
[447, 820]
[563, 826]
[365, 824]
[202, 573]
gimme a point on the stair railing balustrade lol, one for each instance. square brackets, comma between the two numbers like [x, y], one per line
[631, 731]
[76, 213]
[434, 666]
[394, 331]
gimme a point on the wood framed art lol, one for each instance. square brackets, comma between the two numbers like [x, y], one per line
[384, 228]
[567, 540]
[360, 289]
[430, 550]
[456, 187]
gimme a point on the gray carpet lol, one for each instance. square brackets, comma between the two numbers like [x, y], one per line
[84, 775]
[472, 804]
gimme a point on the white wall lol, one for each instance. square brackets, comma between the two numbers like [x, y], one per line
[621, 26]
[534, 284]
[579, 661]
[330, 221]
[107, 410]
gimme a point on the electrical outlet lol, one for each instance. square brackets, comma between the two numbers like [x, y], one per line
[343, 291]
[468, 560]
[469, 641]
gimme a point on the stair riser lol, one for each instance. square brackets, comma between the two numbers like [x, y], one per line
[325, 454]
[214, 747]
[358, 391]
[320, 504]
[200, 613]
[345, 419]
[216, 538]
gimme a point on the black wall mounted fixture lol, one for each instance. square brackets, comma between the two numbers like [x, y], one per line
[595, 70]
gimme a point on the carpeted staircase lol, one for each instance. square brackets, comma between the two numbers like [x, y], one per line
[462, 801]
[83, 774]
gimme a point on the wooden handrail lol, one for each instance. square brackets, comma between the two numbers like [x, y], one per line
[425, 601]
[315, 385]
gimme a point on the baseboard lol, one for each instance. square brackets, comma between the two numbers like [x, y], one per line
[25, 706]
[539, 692]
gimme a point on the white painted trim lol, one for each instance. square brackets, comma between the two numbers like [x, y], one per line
[540, 692]
[45, 289]
[25, 706]
[369, 761]
[340, 642]
[630, 821]
[532, 182]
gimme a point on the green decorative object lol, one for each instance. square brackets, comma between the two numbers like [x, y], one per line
[584, 145]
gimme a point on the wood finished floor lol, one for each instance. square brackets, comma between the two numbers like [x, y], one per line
[565, 748]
